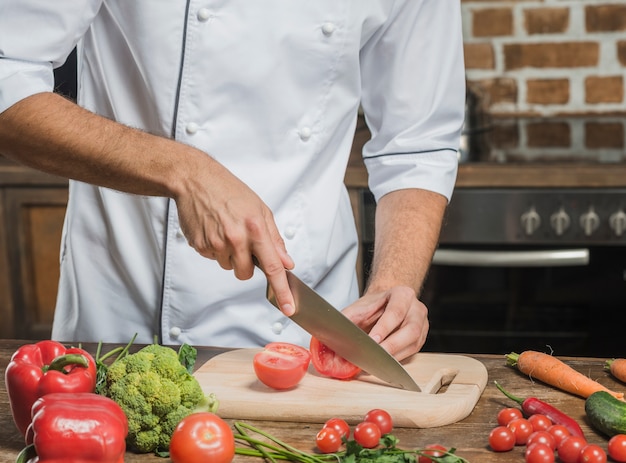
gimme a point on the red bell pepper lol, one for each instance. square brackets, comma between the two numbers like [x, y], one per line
[42, 368]
[76, 427]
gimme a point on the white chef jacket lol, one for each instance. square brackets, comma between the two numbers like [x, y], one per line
[269, 88]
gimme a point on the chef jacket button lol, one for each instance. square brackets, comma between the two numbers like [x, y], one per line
[290, 232]
[277, 327]
[203, 14]
[328, 29]
[305, 133]
[191, 128]
[175, 331]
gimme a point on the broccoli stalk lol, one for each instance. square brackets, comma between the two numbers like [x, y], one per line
[155, 390]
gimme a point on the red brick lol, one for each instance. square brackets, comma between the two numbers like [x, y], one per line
[605, 18]
[547, 91]
[546, 20]
[551, 55]
[492, 22]
[604, 89]
[548, 135]
[479, 56]
[604, 135]
[500, 90]
[621, 52]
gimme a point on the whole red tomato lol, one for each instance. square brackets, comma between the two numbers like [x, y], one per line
[522, 429]
[592, 453]
[328, 363]
[202, 437]
[281, 365]
[539, 453]
[432, 450]
[328, 440]
[381, 418]
[340, 425]
[501, 439]
[570, 448]
[509, 414]
[617, 447]
[367, 434]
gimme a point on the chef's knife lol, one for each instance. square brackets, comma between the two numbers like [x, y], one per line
[332, 328]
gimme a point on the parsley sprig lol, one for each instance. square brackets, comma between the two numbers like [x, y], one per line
[258, 443]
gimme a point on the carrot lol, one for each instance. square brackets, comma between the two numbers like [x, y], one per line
[617, 367]
[556, 373]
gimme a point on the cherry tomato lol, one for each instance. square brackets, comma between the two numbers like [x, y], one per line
[202, 437]
[507, 415]
[381, 418]
[617, 448]
[542, 437]
[592, 453]
[501, 439]
[559, 432]
[522, 429]
[539, 453]
[540, 422]
[367, 434]
[327, 363]
[569, 449]
[340, 425]
[328, 440]
[281, 365]
[432, 450]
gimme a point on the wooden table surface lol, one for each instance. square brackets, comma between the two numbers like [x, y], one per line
[468, 436]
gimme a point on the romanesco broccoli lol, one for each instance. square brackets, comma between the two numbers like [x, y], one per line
[156, 391]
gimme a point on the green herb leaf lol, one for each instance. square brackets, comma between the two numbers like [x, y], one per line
[187, 356]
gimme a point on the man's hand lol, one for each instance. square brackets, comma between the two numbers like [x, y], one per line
[228, 222]
[221, 217]
[394, 318]
[407, 229]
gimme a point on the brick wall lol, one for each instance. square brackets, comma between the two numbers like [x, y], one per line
[554, 62]
[547, 57]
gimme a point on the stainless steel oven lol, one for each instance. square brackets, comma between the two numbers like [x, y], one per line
[521, 268]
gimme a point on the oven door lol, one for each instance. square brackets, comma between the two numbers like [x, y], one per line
[487, 299]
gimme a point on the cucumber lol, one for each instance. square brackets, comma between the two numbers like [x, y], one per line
[606, 413]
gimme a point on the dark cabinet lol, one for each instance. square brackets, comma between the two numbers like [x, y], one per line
[32, 210]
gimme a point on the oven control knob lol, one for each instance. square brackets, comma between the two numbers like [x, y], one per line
[589, 221]
[530, 221]
[617, 221]
[560, 221]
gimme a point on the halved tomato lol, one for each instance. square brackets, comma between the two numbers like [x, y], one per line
[281, 365]
[328, 363]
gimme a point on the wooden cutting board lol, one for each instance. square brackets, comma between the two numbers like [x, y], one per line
[451, 385]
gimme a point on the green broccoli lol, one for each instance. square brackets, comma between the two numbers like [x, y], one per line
[156, 391]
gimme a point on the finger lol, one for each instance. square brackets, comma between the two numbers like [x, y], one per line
[277, 280]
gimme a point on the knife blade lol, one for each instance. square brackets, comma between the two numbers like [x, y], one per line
[332, 328]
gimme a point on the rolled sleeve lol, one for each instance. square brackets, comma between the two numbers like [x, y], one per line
[35, 37]
[20, 79]
[434, 171]
[414, 98]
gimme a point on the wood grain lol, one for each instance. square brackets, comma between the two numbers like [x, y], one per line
[451, 386]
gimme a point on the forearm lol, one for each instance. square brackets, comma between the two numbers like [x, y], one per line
[54, 135]
[408, 223]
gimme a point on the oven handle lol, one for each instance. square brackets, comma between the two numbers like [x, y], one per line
[543, 258]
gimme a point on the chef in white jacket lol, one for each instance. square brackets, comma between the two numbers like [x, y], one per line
[209, 132]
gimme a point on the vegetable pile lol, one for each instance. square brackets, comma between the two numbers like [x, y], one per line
[549, 434]
[155, 391]
[369, 444]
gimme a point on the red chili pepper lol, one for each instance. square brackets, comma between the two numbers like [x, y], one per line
[44, 367]
[534, 406]
[76, 427]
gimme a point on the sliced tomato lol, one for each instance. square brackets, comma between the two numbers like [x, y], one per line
[328, 363]
[281, 365]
